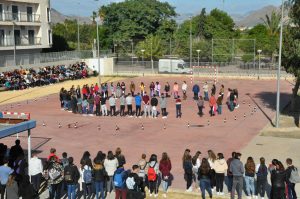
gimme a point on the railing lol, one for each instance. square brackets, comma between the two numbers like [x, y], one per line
[22, 41]
[19, 17]
[41, 58]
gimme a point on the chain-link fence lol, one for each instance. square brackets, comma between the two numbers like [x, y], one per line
[39, 58]
[140, 67]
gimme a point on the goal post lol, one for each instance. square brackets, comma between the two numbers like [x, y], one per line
[211, 71]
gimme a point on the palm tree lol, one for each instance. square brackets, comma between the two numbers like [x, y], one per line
[94, 16]
[272, 23]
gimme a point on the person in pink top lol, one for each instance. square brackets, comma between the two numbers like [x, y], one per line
[175, 90]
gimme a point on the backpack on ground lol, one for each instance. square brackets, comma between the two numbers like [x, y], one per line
[130, 183]
[118, 180]
[87, 176]
[54, 173]
[294, 178]
[151, 173]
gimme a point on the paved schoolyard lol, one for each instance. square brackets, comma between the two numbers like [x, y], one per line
[233, 135]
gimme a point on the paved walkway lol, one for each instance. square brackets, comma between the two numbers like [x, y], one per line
[273, 148]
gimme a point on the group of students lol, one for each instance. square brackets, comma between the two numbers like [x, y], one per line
[20, 79]
[108, 173]
[209, 174]
[92, 100]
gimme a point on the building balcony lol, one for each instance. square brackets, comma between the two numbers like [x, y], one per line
[19, 17]
[30, 41]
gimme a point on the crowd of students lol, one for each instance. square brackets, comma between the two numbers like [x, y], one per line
[209, 174]
[108, 173]
[94, 99]
[20, 79]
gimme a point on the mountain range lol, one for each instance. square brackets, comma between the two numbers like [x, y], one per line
[249, 19]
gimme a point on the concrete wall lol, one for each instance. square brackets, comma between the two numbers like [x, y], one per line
[106, 65]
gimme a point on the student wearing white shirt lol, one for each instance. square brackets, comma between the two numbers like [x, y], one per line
[35, 171]
[129, 104]
[184, 89]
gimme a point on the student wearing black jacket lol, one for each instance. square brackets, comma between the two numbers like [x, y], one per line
[188, 172]
[135, 184]
[71, 177]
[204, 176]
[278, 179]
[99, 175]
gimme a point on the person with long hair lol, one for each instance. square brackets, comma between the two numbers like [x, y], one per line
[12, 189]
[152, 174]
[165, 167]
[188, 172]
[249, 177]
[278, 181]
[220, 167]
[261, 177]
[204, 176]
[100, 157]
[142, 88]
[99, 176]
[120, 156]
[111, 165]
[211, 160]
[196, 162]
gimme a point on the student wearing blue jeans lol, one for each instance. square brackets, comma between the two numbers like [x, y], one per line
[204, 176]
[71, 176]
[99, 187]
[99, 175]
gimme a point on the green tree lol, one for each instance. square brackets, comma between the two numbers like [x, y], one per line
[291, 48]
[272, 23]
[151, 44]
[136, 19]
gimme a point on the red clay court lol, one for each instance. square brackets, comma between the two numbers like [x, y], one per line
[174, 139]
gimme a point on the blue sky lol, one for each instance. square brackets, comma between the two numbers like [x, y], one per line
[85, 7]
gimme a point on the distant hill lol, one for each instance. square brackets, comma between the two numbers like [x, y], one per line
[57, 17]
[254, 17]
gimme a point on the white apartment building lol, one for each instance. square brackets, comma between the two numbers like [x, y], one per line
[25, 23]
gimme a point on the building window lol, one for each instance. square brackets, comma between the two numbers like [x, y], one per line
[15, 13]
[2, 38]
[29, 14]
[31, 39]
[17, 34]
[48, 14]
[50, 37]
[1, 12]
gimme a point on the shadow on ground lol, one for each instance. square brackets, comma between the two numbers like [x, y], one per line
[269, 100]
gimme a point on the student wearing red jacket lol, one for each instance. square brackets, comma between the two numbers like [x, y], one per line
[212, 105]
[165, 167]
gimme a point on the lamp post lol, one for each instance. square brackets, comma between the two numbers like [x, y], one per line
[98, 54]
[191, 45]
[259, 52]
[198, 51]
[143, 56]
[279, 68]
[152, 57]
[132, 53]
[78, 34]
